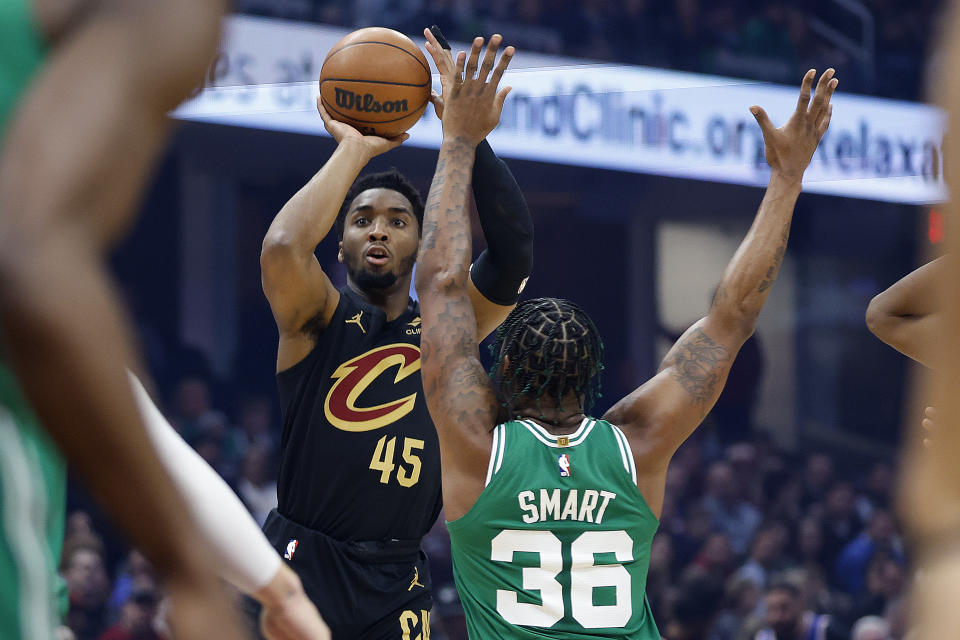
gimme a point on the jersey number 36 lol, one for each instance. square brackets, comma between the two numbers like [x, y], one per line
[585, 576]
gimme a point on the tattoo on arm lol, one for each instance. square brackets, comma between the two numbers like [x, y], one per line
[454, 381]
[777, 261]
[695, 361]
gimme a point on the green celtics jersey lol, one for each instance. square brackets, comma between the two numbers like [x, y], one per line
[21, 55]
[32, 474]
[32, 510]
[558, 543]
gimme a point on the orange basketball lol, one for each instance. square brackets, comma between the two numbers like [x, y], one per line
[376, 80]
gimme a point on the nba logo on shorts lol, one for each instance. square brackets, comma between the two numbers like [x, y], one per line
[291, 549]
[563, 461]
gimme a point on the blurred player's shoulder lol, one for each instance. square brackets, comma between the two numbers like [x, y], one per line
[53, 19]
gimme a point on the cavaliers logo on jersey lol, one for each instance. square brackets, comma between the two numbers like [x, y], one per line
[356, 375]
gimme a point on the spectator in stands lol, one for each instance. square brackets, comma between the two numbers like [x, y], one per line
[786, 618]
[766, 554]
[691, 533]
[136, 573]
[877, 490]
[817, 476]
[136, 618]
[809, 547]
[879, 537]
[211, 441]
[716, 557]
[84, 570]
[742, 598]
[255, 424]
[662, 569]
[696, 606]
[840, 521]
[191, 400]
[733, 515]
[884, 583]
[815, 591]
[781, 491]
[257, 487]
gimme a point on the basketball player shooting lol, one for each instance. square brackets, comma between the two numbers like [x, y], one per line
[359, 478]
[578, 497]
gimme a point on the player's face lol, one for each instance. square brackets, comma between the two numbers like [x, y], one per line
[380, 239]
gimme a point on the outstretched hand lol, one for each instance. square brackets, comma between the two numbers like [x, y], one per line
[343, 133]
[472, 100]
[790, 148]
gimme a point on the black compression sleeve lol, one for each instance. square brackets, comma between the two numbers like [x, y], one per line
[500, 270]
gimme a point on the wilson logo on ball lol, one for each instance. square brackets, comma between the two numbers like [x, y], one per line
[368, 102]
[375, 80]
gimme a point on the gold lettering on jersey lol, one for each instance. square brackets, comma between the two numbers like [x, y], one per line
[408, 623]
[413, 327]
[574, 505]
[356, 375]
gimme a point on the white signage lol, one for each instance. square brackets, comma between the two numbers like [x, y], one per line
[635, 119]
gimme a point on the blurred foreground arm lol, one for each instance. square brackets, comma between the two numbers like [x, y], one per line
[243, 555]
[907, 316]
[74, 160]
[929, 479]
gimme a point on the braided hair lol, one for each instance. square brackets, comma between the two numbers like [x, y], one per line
[554, 349]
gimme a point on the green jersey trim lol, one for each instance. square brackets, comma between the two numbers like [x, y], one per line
[625, 452]
[25, 506]
[496, 452]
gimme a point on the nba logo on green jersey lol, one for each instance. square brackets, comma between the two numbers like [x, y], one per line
[564, 463]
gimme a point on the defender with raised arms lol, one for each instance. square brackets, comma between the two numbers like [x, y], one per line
[551, 512]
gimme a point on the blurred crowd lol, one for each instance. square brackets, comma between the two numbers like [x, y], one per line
[754, 543]
[876, 50]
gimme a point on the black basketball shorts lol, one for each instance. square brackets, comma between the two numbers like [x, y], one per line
[377, 590]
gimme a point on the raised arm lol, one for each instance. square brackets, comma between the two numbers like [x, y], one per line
[295, 285]
[662, 413]
[458, 392]
[500, 271]
[907, 316]
[74, 159]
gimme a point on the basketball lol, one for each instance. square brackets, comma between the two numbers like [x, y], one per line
[376, 80]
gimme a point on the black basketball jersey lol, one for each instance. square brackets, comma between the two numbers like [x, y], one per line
[360, 459]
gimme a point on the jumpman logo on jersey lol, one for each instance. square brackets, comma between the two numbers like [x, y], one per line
[416, 580]
[356, 320]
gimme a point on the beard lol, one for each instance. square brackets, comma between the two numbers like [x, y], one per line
[367, 280]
